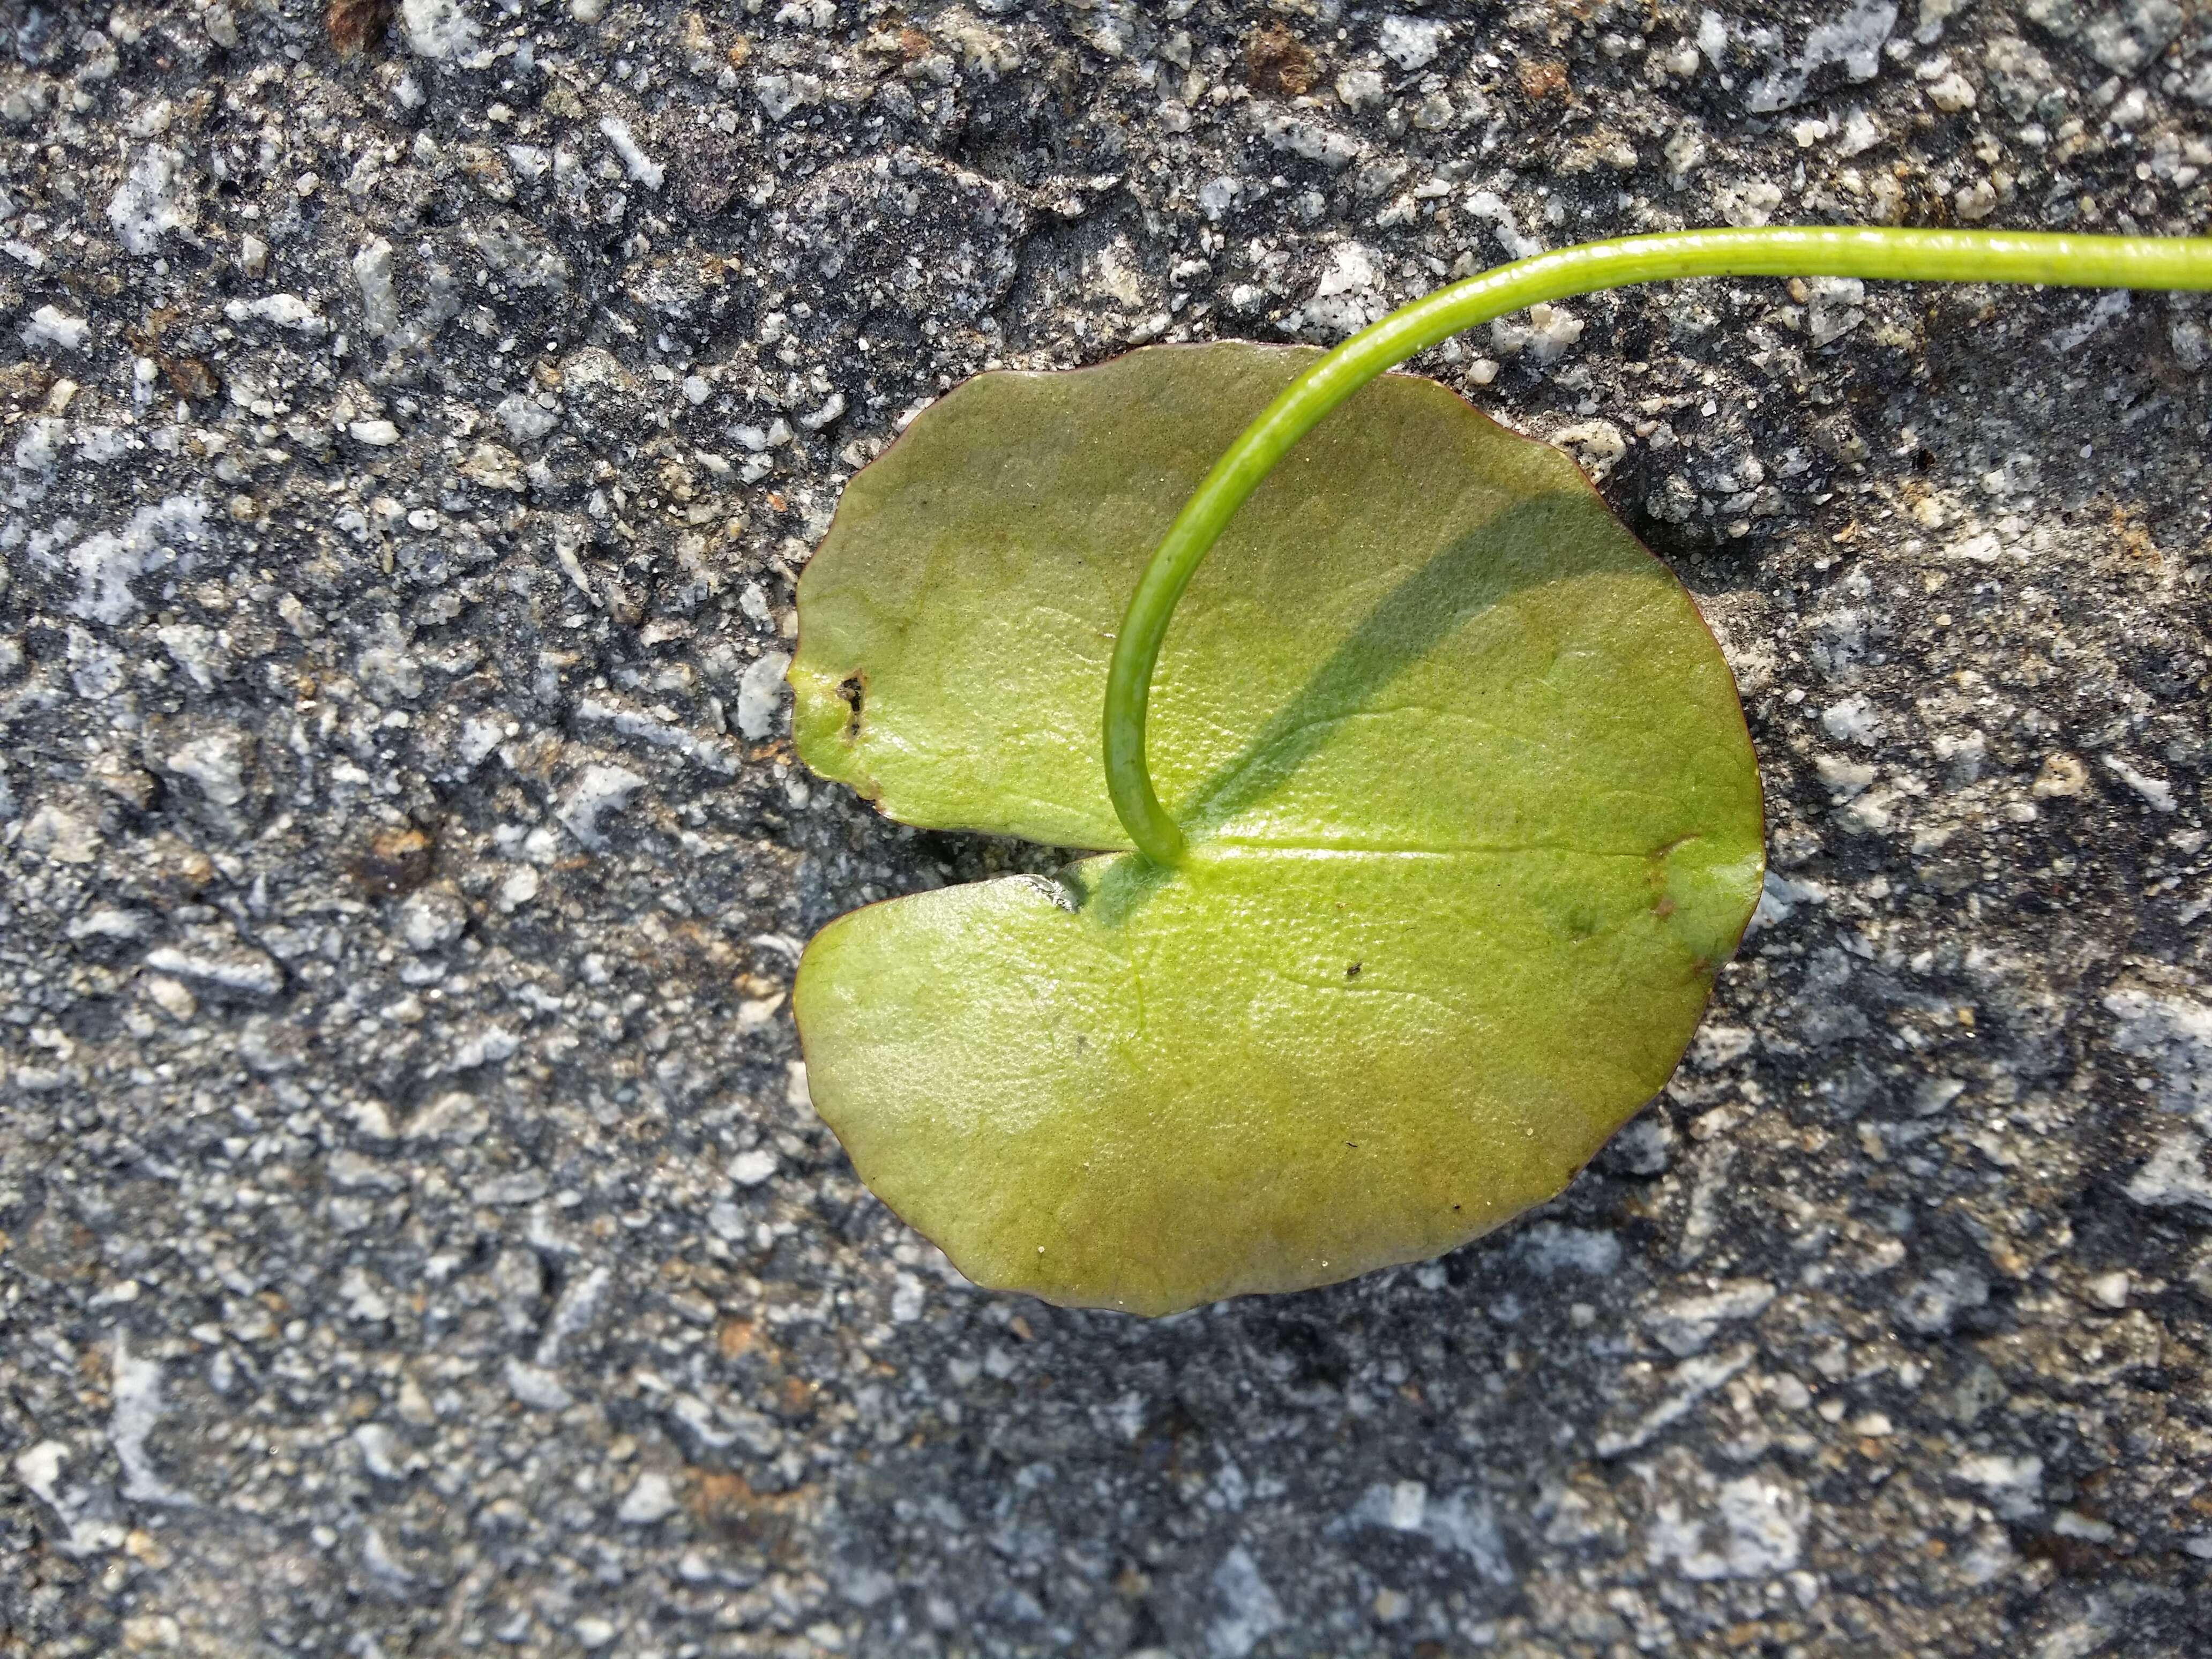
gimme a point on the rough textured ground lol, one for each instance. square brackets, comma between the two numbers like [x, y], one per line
[414, 1236]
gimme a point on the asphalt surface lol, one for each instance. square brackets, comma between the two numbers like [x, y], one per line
[414, 1238]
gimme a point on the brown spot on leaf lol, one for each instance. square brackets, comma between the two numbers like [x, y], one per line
[853, 689]
[1277, 64]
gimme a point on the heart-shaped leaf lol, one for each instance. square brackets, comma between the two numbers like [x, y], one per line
[1474, 817]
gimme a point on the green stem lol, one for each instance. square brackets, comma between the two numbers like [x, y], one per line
[1946, 256]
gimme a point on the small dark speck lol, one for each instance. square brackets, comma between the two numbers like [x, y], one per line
[1454, 1207]
[1352, 972]
[1353, 1145]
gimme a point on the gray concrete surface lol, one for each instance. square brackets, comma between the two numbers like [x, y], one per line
[414, 1236]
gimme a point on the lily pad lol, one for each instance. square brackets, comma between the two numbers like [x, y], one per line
[1474, 820]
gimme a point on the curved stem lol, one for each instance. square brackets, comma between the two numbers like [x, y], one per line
[1951, 255]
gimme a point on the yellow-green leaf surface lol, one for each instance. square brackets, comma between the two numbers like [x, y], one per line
[1474, 820]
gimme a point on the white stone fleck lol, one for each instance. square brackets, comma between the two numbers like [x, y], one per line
[2174, 1175]
[2174, 1032]
[484, 1046]
[1853, 719]
[1684, 1326]
[517, 891]
[597, 791]
[1413, 43]
[1749, 203]
[1597, 445]
[760, 694]
[653, 1499]
[1854, 40]
[1684, 153]
[137, 1407]
[226, 965]
[154, 198]
[525, 419]
[1310, 140]
[1780, 896]
[1861, 133]
[2110, 1290]
[908, 1301]
[1550, 1247]
[2156, 790]
[39, 1468]
[780, 94]
[1712, 37]
[2105, 309]
[372, 274]
[61, 836]
[2126, 37]
[51, 326]
[642, 167]
[1488, 206]
[378, 1450]
[1755, 1529]
[106, 562]
[1951, 92]
[1835, 309]
[1691, 1381]
[431, 918]
[750, 1169]
[1348, 296]
[217, 760]
[1250, 1612]
[284, 310]
[1358, 89]
[438, 29]
[1544, 338]
[2015, 1485]
[371, 1117]
[455, 1115]
[579, 1304]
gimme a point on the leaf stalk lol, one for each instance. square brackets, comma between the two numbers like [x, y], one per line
[1945, 256]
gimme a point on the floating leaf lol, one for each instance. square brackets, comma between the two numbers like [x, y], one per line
[1474, 817]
